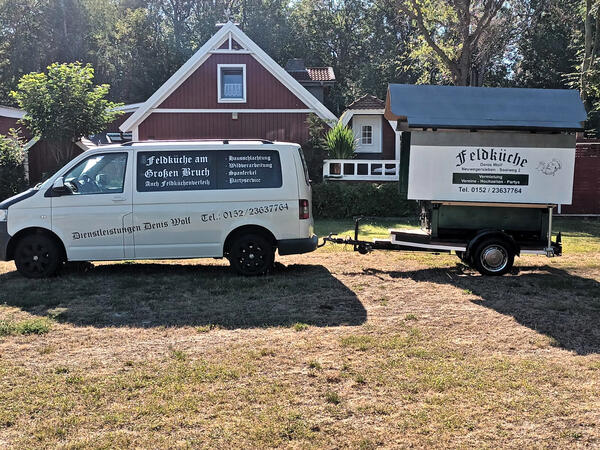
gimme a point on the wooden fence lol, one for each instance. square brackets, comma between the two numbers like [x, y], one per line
[586, 185]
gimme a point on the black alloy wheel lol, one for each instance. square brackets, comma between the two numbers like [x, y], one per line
[37, 256]
[252, 254]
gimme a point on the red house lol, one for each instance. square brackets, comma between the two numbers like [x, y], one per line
[230, 88]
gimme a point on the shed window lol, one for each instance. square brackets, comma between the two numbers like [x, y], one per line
[366, 135]
[232, 83]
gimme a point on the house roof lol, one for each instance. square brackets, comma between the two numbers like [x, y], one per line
[16, 113]
[367, 102]
[321, 73]
[229, 30]
[458, 107]
[318, 74]
[13, 113]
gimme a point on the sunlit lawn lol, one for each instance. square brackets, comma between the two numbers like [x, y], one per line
[334, 350]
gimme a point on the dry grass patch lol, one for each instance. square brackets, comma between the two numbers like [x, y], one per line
[333, 350]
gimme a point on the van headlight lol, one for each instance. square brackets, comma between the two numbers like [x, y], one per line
[3, 215]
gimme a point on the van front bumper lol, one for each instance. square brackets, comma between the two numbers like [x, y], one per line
[4, 238]
[297, 246]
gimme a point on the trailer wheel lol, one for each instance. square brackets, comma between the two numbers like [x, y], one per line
[251, 255]
[494, 257]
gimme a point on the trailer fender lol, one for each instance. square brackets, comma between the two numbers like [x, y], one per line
[484, 234]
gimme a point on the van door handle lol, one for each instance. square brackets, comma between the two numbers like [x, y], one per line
[119, 198]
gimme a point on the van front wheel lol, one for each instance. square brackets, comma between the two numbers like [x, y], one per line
[251, 254]
[37, 256]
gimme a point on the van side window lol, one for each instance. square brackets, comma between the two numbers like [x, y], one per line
[200, 170]
[98, 174]
[304, 166]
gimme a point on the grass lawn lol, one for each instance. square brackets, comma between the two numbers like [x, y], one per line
[335, 349]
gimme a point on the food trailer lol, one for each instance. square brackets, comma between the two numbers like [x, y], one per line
[487, 167]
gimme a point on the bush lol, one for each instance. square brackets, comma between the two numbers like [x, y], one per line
[12, 171]
[314, 148]
[339, 200]
[340, 142]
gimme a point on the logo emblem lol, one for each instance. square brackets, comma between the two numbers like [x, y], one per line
[549, 167]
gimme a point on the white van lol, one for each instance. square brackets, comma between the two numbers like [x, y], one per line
[165, 200]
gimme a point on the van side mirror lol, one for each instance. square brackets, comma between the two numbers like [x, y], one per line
[59, 188]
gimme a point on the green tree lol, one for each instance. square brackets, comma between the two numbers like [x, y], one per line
[12, 171]
[330, 33]
[62, 105]
[546, 53]
[460, 38]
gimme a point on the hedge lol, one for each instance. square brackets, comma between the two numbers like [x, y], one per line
[12, 172]
[339, 200]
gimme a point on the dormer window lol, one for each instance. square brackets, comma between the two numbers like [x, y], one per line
[231, 79]
[367, 135]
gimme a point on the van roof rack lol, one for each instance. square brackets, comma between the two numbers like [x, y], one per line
[225, 141]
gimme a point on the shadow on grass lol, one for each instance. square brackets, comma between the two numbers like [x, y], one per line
[551, 301]
[151, 294]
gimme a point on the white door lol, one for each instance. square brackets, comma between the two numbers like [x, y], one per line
[368, 132]
[94, 219]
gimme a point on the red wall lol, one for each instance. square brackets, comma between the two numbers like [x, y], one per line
[113, 127]
[6, 123]
[389, 140]
[263, 90]
[289, 127]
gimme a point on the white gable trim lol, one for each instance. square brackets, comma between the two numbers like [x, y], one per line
[129, 108]
[229, 30]
[350, 112]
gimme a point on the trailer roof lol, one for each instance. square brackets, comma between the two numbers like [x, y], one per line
[456, 107]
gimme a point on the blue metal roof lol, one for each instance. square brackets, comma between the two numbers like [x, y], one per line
[424, 106]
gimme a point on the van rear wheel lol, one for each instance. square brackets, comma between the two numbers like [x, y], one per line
[37, 256]
[251, 255]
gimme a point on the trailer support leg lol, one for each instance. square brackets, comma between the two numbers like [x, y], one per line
[549, 248]
[356, 225]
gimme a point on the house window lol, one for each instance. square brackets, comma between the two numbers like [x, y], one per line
[366, 135]
[231, 85]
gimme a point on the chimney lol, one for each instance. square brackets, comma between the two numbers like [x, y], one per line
[296, 65]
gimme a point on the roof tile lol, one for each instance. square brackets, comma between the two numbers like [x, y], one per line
[367, 102]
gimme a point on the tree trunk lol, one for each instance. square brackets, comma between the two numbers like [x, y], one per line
[587, 55]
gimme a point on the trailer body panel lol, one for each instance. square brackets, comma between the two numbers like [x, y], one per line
[497, 167]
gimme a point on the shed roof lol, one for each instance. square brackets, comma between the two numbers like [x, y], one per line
[423, 106]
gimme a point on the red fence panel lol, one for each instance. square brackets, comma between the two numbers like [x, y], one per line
[586, 185]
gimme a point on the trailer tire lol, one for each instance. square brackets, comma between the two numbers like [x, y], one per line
[494, 257]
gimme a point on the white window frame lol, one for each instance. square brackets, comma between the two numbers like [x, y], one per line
[244, 86]
[362, 134]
